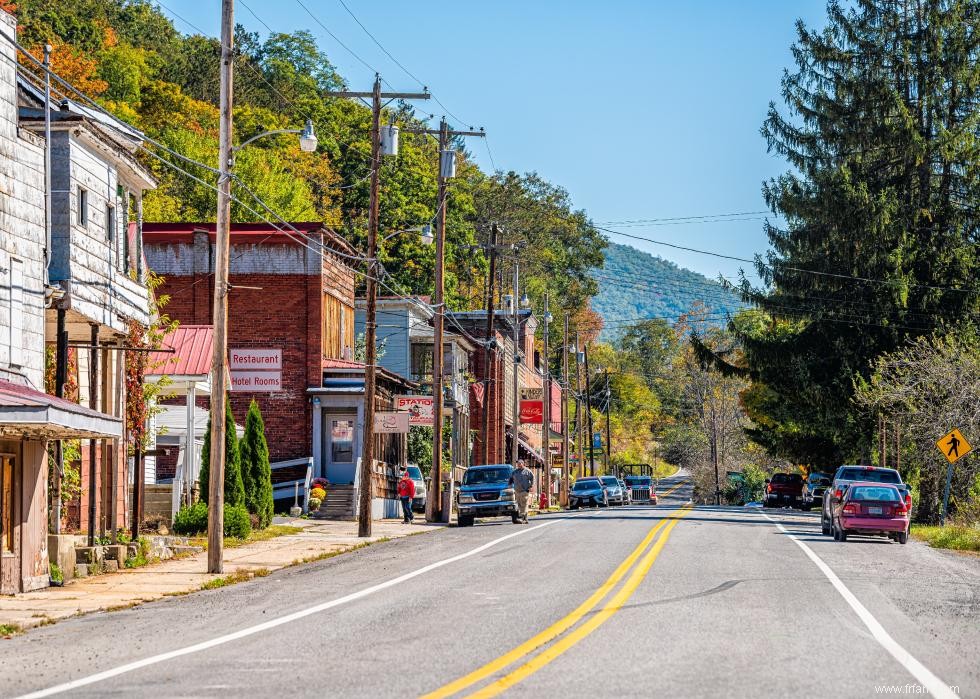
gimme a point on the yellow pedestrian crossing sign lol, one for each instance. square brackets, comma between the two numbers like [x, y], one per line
[954, 446]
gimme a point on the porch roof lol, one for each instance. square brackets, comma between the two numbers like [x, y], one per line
[192, 347]
[26, 412]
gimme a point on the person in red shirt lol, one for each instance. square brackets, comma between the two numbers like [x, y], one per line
[406, 492]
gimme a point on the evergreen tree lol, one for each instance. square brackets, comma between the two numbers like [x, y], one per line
[234, 487]
[256, 470]
[878, 244]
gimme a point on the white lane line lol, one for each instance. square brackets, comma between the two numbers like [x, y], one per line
[925, 677]
[273, 623]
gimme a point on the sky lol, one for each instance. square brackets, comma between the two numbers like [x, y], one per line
[640, 109]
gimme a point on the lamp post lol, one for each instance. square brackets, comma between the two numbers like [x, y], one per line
[219, 373]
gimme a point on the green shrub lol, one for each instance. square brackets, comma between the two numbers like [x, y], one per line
[234, 487]
[192, 520]
[55, 573]
[237, 523]
[255, 467]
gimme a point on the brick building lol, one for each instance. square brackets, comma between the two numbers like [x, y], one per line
[284, 296]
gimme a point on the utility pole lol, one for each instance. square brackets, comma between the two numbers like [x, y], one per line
[516, 405]
[563, 487]
[219, 369]
[608, 429]
[491, 312]
[371, 290]
[588, 411]
[546, 406]
[447, 170]
[578, 407]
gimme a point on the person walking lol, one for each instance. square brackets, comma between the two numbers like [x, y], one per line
[406, 492]
[521, 479]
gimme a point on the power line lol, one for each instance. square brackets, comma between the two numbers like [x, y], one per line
[682, 218]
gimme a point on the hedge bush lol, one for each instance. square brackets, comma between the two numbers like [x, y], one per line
[194, 520]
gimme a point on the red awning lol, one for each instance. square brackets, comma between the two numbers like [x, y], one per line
[26, 412]
[192, 345]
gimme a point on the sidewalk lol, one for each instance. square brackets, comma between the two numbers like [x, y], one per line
[127, 588]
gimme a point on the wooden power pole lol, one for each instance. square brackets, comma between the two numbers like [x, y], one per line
[219, 369]
[588, 412]
[563, 487]
[491, 312]
[546, 407]
[447, 170]
[371, 290]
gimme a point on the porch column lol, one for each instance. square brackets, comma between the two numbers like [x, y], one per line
[190, 442]
[318, 468]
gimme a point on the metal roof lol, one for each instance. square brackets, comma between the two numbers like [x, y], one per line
[26, 412]
[192, 345]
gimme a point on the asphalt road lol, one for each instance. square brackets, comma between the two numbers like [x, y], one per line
[637, 601]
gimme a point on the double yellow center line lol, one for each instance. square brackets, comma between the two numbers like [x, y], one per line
[643, 551]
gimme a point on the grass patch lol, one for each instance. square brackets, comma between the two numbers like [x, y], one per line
[270, 532]
[8, 630]
[234, 578]
[324, 555]
[955, 537]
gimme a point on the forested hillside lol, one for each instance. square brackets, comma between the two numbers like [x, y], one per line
[129, 56]
[634, 285]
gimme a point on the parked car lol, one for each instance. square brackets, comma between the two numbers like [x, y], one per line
[784, 488]
[614, 493]
[587, 492]
[849, 474]
[418, 502]
[486, 492]
[627, 494]
[642, 489]
[814, 488]
[871, 509]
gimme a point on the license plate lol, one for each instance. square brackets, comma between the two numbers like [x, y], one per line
[874, 510]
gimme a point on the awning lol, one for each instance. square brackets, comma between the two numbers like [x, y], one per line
[525, 450]
[25, 412]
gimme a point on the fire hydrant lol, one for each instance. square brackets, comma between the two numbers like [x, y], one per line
[543, 502]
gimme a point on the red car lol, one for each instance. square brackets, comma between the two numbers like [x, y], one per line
[871, 509]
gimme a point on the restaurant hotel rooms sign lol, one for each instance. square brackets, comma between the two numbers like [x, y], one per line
[255, 370]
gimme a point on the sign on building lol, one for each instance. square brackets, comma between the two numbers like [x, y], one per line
[255, 370]
[532, 412]
[391, 423]
[420, 409]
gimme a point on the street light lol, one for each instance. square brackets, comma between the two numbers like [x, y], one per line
[425, 230]
[307, 137]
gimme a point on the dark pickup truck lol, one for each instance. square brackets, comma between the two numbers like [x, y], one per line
[849, 474]
[784, 488]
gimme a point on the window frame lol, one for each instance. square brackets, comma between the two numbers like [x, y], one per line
[82, 213]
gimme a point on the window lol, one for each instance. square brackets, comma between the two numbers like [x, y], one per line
[15, 299]
[110, 224]
[6, 503]
[338, 328]
[82, 206]
[422, 363]
[342, 441]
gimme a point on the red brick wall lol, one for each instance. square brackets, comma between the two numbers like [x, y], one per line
[495, 394]
[283, 313]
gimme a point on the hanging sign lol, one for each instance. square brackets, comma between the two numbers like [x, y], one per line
[255, 370]
[390, 423]
[420, 409]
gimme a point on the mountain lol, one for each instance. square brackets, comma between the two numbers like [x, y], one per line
[636, 285]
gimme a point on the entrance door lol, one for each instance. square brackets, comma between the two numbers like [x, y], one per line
[341, 446]
[9, 540]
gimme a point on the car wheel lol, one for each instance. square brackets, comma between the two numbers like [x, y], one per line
[573, 507]
[843, 535]
[806, 508]
[466, 520]
[824, 527]
[903, 537]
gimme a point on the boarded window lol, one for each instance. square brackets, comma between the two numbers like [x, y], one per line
[338, 328]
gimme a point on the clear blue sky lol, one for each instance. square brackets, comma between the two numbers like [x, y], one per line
[641, 109]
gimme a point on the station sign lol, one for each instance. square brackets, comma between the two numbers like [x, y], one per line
[420, 409]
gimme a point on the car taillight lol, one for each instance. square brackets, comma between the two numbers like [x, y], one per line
[850, 509]
[769, 488]
[908, 501]
[838, 493]
[902, 511]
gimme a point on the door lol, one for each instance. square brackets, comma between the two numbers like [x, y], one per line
[341, 448]
[9, 539]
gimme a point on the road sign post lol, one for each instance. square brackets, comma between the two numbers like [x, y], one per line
[954, 447]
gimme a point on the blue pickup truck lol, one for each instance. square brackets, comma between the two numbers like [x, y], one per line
[486, 492]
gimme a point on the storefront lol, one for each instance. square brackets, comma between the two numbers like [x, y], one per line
[28, 420]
